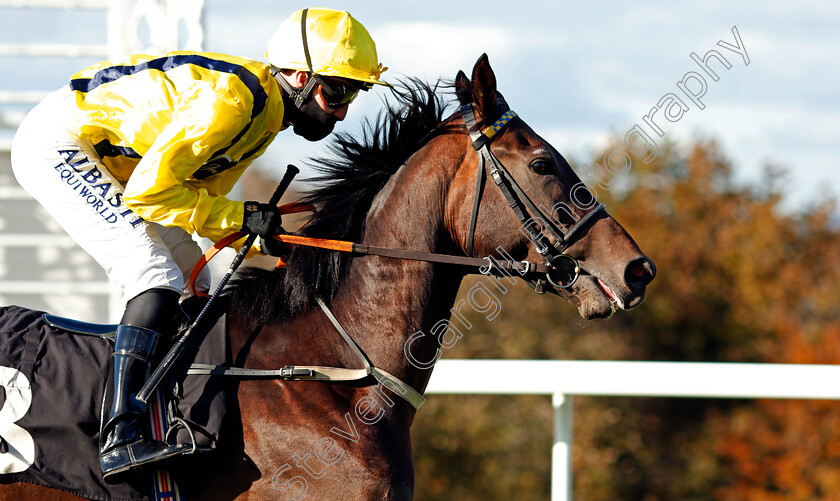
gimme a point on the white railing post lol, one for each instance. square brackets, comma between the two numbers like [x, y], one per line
[563, 378]
[561, 451]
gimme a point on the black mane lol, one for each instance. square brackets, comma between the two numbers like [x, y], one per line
[348, 182]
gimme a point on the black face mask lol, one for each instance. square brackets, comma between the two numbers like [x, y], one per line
[309, 121]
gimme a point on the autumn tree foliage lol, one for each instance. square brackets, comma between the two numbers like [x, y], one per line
[741, 279]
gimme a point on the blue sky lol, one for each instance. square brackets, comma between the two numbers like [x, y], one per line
[579, 72]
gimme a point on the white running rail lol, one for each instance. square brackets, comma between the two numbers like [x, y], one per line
[563, 379]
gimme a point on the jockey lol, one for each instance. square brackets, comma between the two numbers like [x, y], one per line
[137, 154]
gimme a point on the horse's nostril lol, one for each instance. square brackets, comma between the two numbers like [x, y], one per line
[640, 272]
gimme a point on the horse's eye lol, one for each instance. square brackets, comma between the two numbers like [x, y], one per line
[539, 165]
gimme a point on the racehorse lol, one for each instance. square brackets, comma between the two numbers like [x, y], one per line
[417, 182]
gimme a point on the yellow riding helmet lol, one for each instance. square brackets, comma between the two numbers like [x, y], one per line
[338, 46]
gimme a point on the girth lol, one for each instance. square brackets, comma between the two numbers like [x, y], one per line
[321, 373]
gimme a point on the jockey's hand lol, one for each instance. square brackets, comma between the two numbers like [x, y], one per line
[272, 247]
[263, 219]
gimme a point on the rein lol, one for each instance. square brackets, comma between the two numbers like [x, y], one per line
[519, 202]
[483, 265]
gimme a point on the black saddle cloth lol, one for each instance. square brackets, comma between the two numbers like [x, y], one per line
[54, 386]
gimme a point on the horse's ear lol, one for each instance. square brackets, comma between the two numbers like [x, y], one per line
[484, 86]
[463, 88]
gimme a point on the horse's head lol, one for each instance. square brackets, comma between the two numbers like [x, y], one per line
[543, 211]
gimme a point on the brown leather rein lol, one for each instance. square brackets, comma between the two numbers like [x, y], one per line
[482, 265]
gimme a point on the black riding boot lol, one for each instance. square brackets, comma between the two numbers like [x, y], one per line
[125, 447]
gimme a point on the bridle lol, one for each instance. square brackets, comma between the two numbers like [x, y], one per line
[519, 201]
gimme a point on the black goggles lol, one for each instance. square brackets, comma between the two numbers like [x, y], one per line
[337, 93]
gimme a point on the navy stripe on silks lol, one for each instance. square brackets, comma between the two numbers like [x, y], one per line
[223, 163]
[250, 80]
[105, 149]
[235, 140]
[249, 154]
[113, 73]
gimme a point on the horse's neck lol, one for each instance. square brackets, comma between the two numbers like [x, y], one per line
[388, 300]
[381, 301]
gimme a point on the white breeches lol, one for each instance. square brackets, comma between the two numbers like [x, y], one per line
[66, 176]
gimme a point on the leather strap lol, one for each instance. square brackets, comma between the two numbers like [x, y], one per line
[349, 340]
[479, 188]
[204, 259]
[406, 391]
[469, 121]
[583, 222]
[321, 373]
[289, 372]
[503, 179]
[480, 264]
[315, 373]
[513, 193]
[521, 267]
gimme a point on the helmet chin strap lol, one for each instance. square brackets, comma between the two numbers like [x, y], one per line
[303, 112]
[298, 96]
[309, 119]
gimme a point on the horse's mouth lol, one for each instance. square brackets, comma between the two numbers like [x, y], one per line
[615, 301]
[594, 298]
[599, 300]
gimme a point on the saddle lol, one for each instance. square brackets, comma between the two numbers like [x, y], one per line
[55, 375]
[194, 404]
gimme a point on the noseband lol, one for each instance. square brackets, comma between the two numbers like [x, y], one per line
[519, 202]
